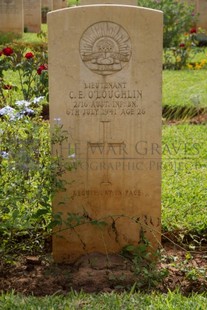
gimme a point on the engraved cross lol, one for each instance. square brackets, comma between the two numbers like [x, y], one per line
[105, 149]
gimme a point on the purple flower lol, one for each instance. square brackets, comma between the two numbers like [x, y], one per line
[22, 103]
[38, 99]
[8, 111]
[4, 154]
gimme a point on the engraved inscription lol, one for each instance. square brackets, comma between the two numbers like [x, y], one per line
[104, 144]
[105, 99]
[105, 48]
[111, 193]
[113, 164]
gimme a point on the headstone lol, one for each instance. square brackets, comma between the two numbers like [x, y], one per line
[64, 4]
[47, 4]
[105, 64]
[11, 16]
[202, 10]
[32, 15]
[57, 4]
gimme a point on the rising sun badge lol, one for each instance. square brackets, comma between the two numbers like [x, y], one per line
[105, 48]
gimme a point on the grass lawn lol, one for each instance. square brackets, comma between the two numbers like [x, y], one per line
[184, 178]
[29, 37]
[186, 88]
[125, 301]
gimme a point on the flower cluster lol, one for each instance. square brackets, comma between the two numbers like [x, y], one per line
[7, 51]
[41, 68]
[198, 65]
[21, 108]
[29, 55]
[177, 58]
[31, 68]
[193, 30]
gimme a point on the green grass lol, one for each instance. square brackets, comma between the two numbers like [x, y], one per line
[184, 178]
[198, 54]
[29, 37]
[72, 2]
[185, 88]
[104, 301]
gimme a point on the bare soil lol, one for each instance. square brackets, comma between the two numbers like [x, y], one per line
[93, 273]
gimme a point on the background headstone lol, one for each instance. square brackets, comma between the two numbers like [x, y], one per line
[64, 4]
[47, 6]
[11, 16]
[105, 64]
[32, 15]
[202, 10]
[57, 4]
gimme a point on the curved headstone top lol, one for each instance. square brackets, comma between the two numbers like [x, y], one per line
[105, 64]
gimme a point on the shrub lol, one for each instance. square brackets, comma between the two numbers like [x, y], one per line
[25, 174]
[29, 177]
[179, 18]
[27, 170]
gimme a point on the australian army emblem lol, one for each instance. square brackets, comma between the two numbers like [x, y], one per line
[105, 48]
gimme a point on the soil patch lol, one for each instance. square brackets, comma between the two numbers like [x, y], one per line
[40, 276]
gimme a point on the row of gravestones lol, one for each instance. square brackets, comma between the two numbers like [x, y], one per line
[19, 15]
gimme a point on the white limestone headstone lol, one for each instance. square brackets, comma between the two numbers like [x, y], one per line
[105, 64]
[11, 16]
[32, 15]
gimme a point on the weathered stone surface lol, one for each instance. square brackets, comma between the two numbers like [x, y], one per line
[47, 4]
[32, 15]
[11, 16]
[202, 10]
[64, 4]
[105, 64]
[57, 4]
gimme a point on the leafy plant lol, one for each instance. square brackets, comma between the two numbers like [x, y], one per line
[29, 177]
[144, 259]
[179, 32]
[177, 58]
[29, 66]
[8, 37]
[179, 18]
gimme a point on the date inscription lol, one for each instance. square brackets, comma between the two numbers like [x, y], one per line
[107, 99]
